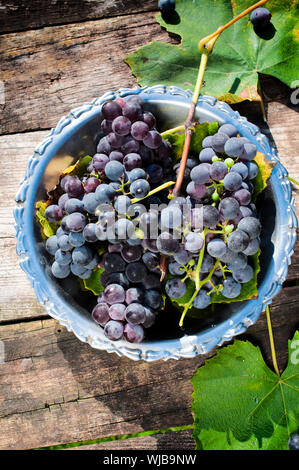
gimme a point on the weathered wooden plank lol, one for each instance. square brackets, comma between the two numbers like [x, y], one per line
[16, 15]
[49, 71]
[178, 440]
[55, 389]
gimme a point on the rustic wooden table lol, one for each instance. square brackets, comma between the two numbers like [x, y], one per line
[54, 389]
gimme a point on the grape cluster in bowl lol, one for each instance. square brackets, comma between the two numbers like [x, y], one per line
[154, 242]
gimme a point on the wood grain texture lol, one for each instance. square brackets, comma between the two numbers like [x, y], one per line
[19, 15]
[55, 389]
[178, 440]
[50, 71]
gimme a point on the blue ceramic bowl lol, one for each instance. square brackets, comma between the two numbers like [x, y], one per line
[75, 135]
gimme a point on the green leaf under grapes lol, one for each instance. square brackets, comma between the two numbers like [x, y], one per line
[93, 283]
[239, 54]
[264, 173]
[239, 403]
[79, 168]
[200, 132]
[47, 228]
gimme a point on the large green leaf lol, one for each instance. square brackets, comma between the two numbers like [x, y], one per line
[239, 403]
[238, 56]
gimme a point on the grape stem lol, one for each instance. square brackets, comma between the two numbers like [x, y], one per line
[205, 46]
[272, 346]
[153, 191]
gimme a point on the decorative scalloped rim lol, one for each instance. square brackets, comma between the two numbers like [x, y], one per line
[190, 346]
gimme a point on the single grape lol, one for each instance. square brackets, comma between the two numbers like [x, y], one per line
[207, 142]
[152, 281]
[91, 184]
[111, 109]
[103, 146]
[122, 204]
[155, 173]
[136, 174]
[104, 194]
[218, 142]
[100, 313]
[228, 129]
[135, 313]
[240, 168]
[114, 263]
[152, 140]
[106, 126]
[60, 271]
[114, 170]
[89, 233]
[63, 257]
[200, 174]
[133, 111]
[138, 100]
[116, 155]
[139, 130]
[151, 245]
[62, 200]
[166, 6]
[238, 241]
[129, 145]
[150, 318]
[133, 333]
[231, 288]
[139, 188]
[90, 203]
[74, 205]
[245, 211]
[232, 181]
[243, 275]
[76, 239]
[252, 248]
[182, 256]
[229, 208]
[136, 272]
[149, 119]
[77, 269]
[121, 125]
[114, 330]
[175, 288]
[216, 248]
[64, 243]
[82, 255]
[151, 260]
[202, 300]
[99, 162]
[131, 254]
[117, 312]
[196, 191]
[131, 161]
[175, 268]
[193, 242]
[251, 226]
[243, 196]
[166, 244]
[134, 294]
[93, 263]
[239, 262]
[153, 299]
[115, 278]
[124, 229]
[233, 147]
[206, 155]
[52, 244]
[114, 294]
[210, 216]
[252, 170]
[218, 171]
[171, 217]
[117, 248]
[260, 18]
[72, 185]
[293, 442]
[249, 152]
[53, 213]
[229, 256]
[207, 264]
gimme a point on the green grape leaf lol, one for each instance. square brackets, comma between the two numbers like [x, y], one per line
[47, 228]
[93, 283]
[239, 54]
[79, 168]
[239, 403]
[264, 173]
[200, 132]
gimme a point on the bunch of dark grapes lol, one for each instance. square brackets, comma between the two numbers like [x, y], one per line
[210, 230]
[131, 159]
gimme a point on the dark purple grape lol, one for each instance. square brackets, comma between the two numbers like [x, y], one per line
[136, 272]
[53, 213]
[155, 173]
[260, 18]
[114, 140]
[100, 313]
[166, 244]
[106, 126]
[196, 191]
[62, 200]
[121, 126]
[133, 333]
[72, 185]
[129, 145]
[89, 233]
[114, 330]
[153, 139]
[134, 294]
[114, 294]
[243, 196]
[74, 222]
[110, 110]
[114, 263]
[131, 254]
[153, 299]
[218, 142]
[139, 130]
[116, 155]
[99, 162]
[135, 313]
[218, 171]
[91, 184]
[149, 119]
[238, 241]
[104, 146]
[150, 318]
[133, 111]
[117, 312]
[131, 161]
[229, 208]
